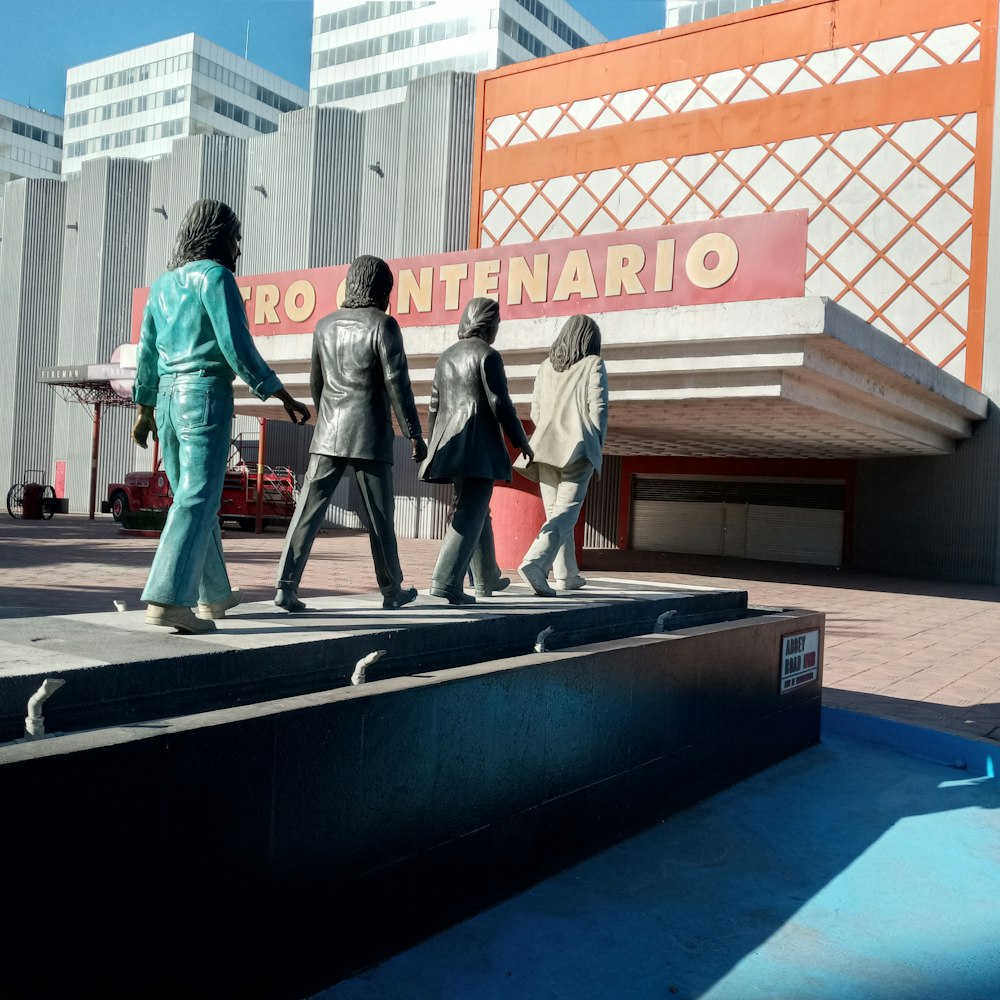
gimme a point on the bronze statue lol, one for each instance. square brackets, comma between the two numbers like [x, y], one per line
[195, 339]
[359, 376]
[470, 411]
[569, 408]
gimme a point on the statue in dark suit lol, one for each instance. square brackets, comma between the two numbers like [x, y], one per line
[469, 413]
[359, 377]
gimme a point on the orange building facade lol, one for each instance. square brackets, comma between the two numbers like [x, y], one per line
[874, 118]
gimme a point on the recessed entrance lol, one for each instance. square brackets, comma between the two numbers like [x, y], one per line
[786, 520]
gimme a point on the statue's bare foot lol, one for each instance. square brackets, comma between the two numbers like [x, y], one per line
[286, 599]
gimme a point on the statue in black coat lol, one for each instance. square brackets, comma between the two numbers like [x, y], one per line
[469, 413]
[359, 377]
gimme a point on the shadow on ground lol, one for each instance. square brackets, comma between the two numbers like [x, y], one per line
[845, 872]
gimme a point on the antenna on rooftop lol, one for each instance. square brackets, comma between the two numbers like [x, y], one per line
[246, 46]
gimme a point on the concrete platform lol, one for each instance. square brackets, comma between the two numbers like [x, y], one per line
[266, 850]
[921, 652]
[119, 670]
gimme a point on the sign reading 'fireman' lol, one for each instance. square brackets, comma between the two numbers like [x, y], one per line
[722, 260]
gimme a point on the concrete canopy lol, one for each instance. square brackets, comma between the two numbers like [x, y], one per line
[780, 378]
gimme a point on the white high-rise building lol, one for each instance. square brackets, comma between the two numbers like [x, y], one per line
[136, 103]
[364, 54]
[30, 142]
[687, 11]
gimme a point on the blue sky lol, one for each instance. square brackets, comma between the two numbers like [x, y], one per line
[39, 39]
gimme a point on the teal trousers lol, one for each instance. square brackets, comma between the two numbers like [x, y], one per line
[194, 416]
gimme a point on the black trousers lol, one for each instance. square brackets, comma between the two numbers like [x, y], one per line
[469, 538]
[322, 476]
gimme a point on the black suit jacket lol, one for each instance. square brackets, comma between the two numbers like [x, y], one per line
[469, 413]
[359, 376]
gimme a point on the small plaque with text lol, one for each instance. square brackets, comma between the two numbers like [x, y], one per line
[799, 659]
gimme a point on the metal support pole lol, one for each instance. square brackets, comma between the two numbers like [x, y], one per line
[94, 445]
[156, 454]
[261, 449]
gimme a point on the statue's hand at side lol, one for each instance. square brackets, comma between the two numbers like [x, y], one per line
[419, 449]
[527, 454]
[297, 412]
[145, 423]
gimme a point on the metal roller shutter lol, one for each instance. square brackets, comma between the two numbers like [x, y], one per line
[755, 518]
[795, 534]
[671, 526]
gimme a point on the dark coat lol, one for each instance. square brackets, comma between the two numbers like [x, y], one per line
[359, 375]
[469, 406]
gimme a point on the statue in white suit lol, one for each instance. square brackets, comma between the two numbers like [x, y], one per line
[569, 408]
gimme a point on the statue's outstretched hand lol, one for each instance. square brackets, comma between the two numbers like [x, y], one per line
[145, 424]
[297, 412]
[419, 449]
[527, 454]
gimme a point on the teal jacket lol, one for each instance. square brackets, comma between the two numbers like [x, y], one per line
[195, 321]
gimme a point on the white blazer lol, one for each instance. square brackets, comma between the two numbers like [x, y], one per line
[570, 412]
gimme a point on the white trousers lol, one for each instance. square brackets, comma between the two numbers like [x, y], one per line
[563, 492]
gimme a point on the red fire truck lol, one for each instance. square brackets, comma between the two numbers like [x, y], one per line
[151, 491]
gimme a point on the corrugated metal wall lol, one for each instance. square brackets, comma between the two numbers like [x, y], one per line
[29, 301]
[201, 166]
[436, 147]
[223, 170]
[278, 181]
[379, 192]
[302, 192]
[600, 530]
[165, 211]
[105, 261]
[937, 518]
[335, 190]
[12, 278]
[421, 508]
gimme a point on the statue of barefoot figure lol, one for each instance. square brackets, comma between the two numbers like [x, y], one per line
[359, 376]
[569, 408]
[195, 339]
[469, 413]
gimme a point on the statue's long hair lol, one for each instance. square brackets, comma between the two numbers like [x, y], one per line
[369, 282]
[579, 337]
[206, 228]
[480, 318]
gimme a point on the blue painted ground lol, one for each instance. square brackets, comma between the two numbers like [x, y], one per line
[850, 872]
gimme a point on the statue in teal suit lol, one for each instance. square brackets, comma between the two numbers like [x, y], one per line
[195, 339]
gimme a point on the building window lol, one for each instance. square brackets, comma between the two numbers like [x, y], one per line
[240, 83]
[523, 37]
[557, 25]
[229, 110]
[394, 79]
[109, 81]
[34, 133]
[372, 11]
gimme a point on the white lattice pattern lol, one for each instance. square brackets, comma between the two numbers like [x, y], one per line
[945, 46]
[890, 216]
